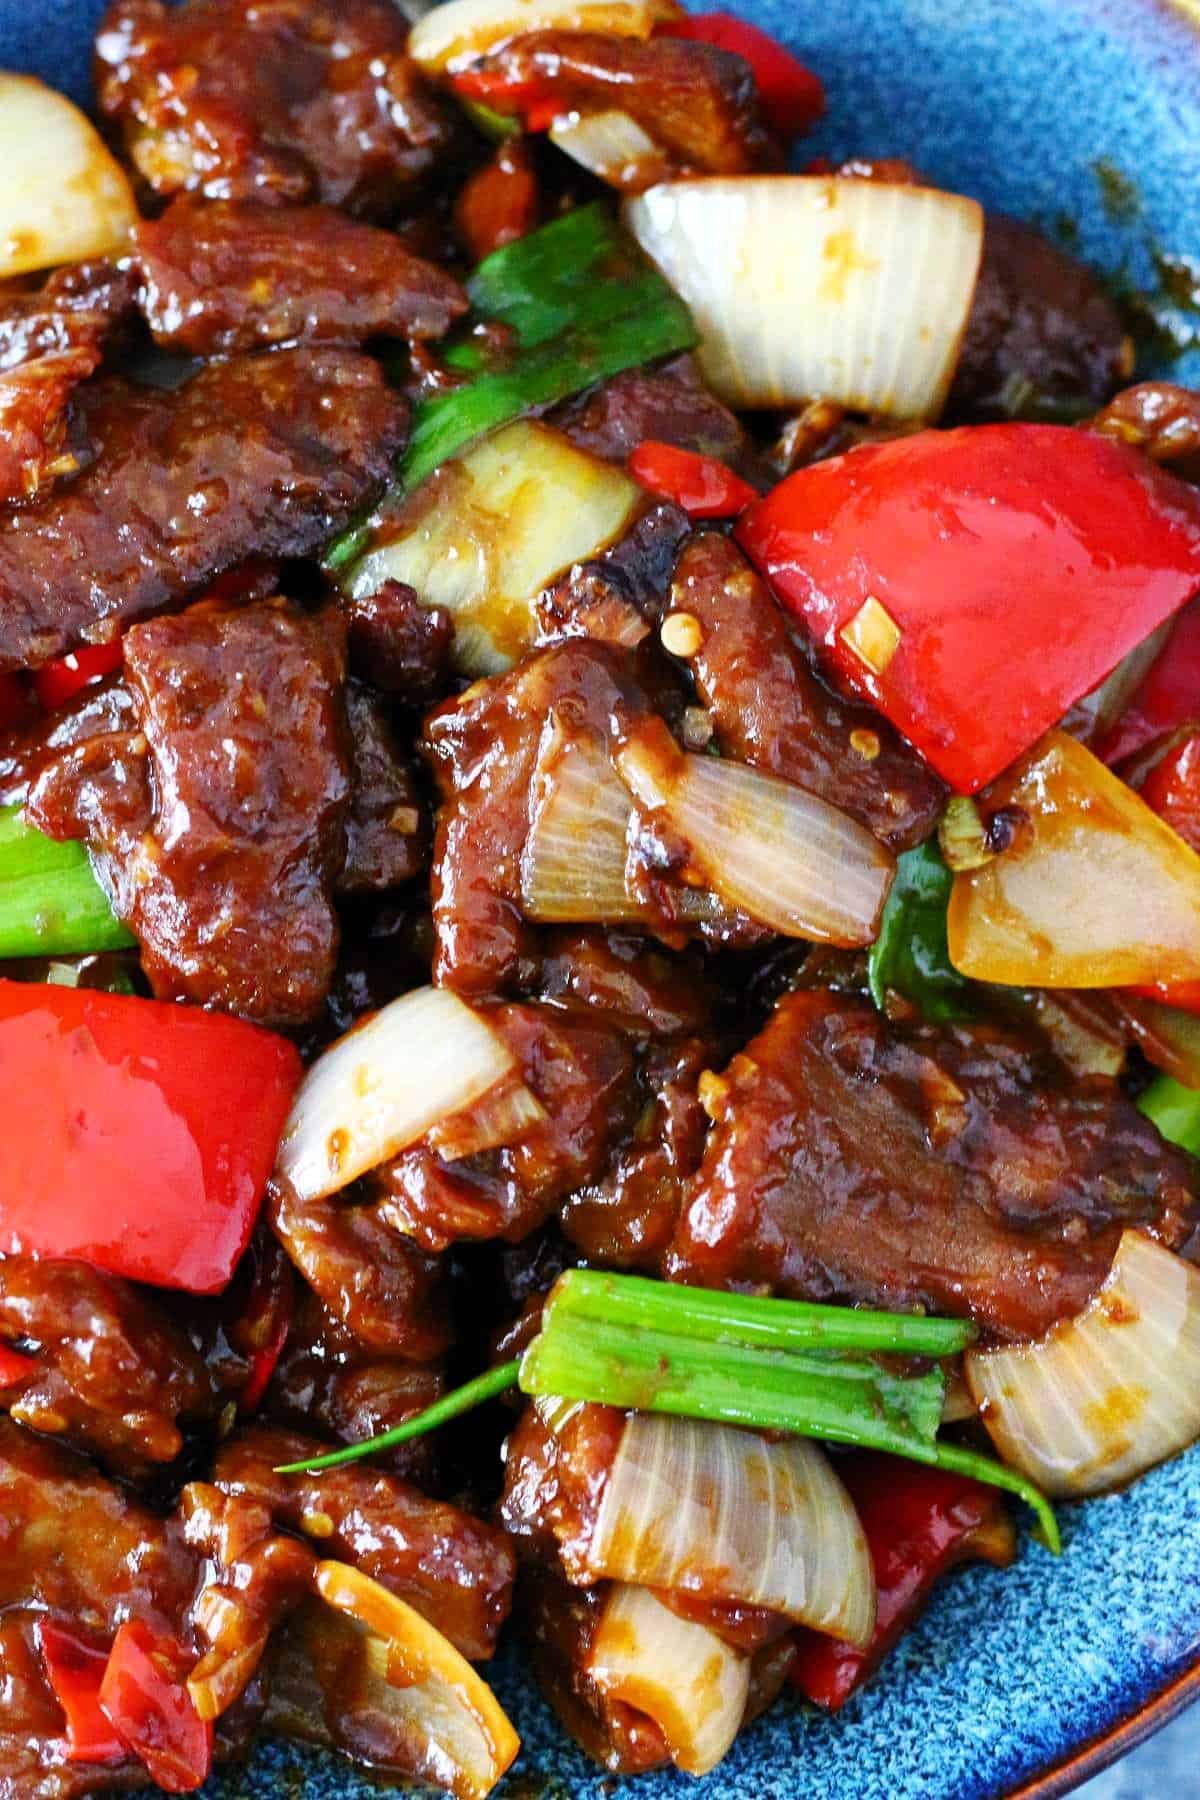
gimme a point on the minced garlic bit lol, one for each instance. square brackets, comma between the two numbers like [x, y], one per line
[697, 727]
[865, 743]
[316, 1524]
[712, 1089]
[872, 634]
[681, 634]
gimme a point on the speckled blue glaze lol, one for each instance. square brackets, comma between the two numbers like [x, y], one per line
[1009, 1672]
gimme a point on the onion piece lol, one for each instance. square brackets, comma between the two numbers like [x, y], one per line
[611, 146]
[712, 1510]
[221, 1677]
[682, 1675]
[1096, 891]
[490, 529]
[788, 859]
[384, 1085]
[63, 197]
[814, 286]
[505, 1113]
[573, 863]
[423, 1685]
[452, 35]
[1108, 1394]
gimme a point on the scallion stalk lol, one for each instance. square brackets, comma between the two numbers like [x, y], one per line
[51, 903]
[1175, 1109]
[978, 1467]
[723, 1318]
[450, 1406]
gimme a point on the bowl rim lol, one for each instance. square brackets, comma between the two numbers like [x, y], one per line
[1109, 1746]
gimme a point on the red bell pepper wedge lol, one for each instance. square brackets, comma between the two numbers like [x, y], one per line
[14, 1367]
[145, 1698]
[75, 1668]
[792, 97]
[152, 1138]
[918, 1522]
[534, 101]
[1167, 700]
[60, 680]
[974, 584]
[701, 485]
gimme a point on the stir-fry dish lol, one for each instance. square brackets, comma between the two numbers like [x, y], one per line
[599, 885]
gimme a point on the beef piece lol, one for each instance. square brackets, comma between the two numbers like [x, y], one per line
[382, 1289]
[114, 1373]
[75, 308]
[485, 747]
[280, 100]
[399, 645]
[105, 710]
[1041, 321]
[554, 1482]
[1162, 419]
[456, 1570]
[387, 836]
[769, 709]
[580, 1069]
[958, 1168]
[235, 275]
[558, 1624]
[619, 974]
[325, 1379]
[669, 403]
[266, 455]
[619, 595]
[240, 734]
[696, 102]
[500, 202]
[35, 420]
[628, 1217]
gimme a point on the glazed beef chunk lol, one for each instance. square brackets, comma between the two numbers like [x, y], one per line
[75, 308]
[669, 403]
[236, 275]
[279, 100]
[398, 645]
[1041, 325]
[770, 710]
[699, 104]
[1161, 418]
[218, 822]
[387, 837]
[266, 455]
[957, 1168]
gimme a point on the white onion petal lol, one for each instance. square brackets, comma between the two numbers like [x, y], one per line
[680, 1674]
[787, 858]
[611, 146]
[1108, 1394]
[425, 1689]
[452, 35]
[814, 286]
[716, 1511]
[573, 863]
[63, 196]
[384, 1085]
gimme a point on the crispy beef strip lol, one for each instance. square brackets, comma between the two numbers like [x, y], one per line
[266, 455]
[770, 710]
[960, 1168]
[698, 103]
[218, 823]
[387, 832]
[580, 1068]
[455, 1569]
[278, 100]
[223, 276]
[1040, 321]
[115, 1375]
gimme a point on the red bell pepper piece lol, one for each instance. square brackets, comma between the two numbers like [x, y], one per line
[14, 1367]
[792, 97]
[1167, 700]
[61, 679]
[1183, 994]
[75, 1668]
[534, 101]
[974, 584]
[153, 1134]
[147, 1703]
[701, 485]
[918, 1522]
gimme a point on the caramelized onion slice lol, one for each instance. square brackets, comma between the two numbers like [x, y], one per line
[680, 1674]
[424, 1686]
[788, 859]
[1108, 1394]
[450, 36]
[573, 863]
[712, 1510]
[63, 197]
[405, 1070]
[816, 286]
[1095, 891]
[611, 146]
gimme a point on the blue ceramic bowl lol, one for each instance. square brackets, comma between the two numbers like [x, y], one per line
[1083, 116]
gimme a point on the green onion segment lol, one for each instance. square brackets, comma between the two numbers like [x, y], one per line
[50, 901]
[1175, 1109]
[910, 954]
